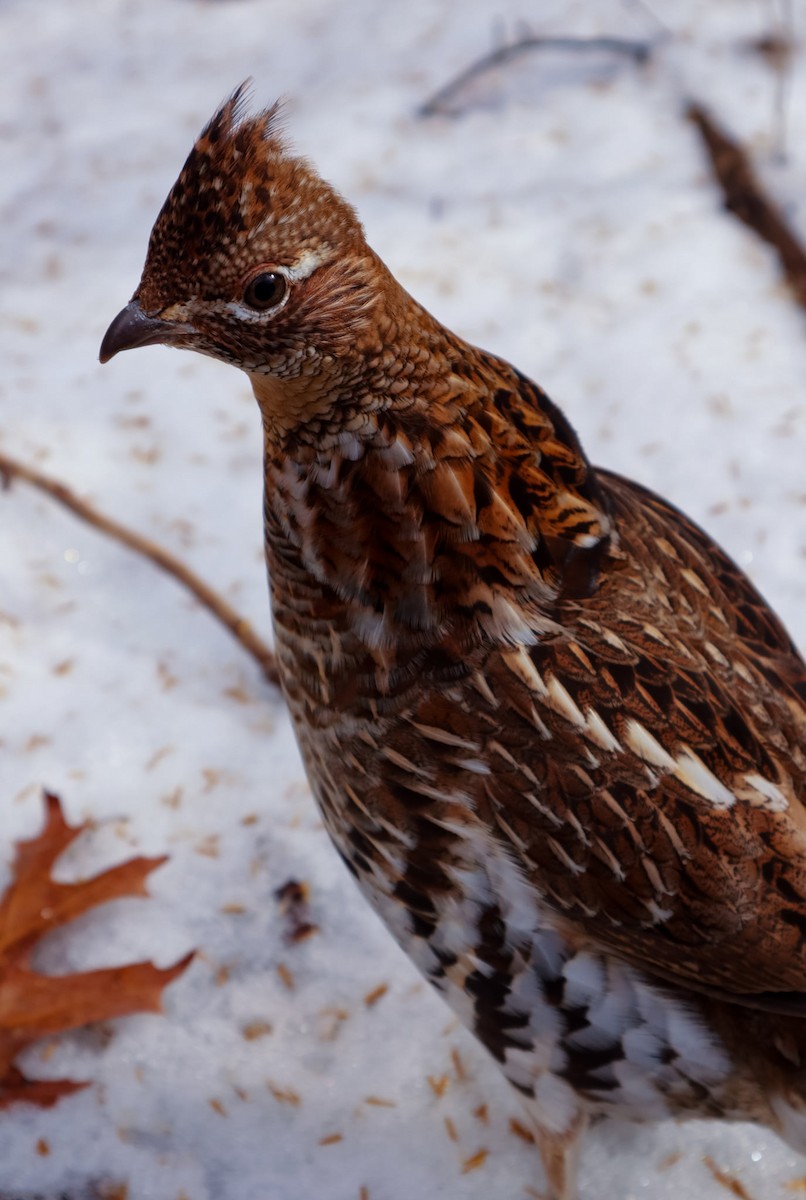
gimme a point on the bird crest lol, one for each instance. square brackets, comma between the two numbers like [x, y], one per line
[240, 186]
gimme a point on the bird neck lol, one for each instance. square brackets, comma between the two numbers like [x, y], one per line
[436, 500]
[399, 364]
[420, 491]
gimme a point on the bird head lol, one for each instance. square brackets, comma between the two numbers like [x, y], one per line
[253, 259]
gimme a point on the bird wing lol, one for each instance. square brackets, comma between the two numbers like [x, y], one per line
[652, 777]
[546, 475]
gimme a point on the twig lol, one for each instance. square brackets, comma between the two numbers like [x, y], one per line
[437, 105]
[746, 198]
[10, 469]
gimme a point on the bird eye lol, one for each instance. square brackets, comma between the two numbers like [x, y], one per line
[266, 290]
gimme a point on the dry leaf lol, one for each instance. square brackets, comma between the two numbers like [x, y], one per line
[474, 1162]
[293, 899]
[438, 1084]
[34, 1005]
[729, 1182]
[375, 995]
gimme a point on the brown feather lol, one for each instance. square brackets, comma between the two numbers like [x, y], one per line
[555, 733]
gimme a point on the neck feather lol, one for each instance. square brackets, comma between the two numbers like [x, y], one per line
[437, 500]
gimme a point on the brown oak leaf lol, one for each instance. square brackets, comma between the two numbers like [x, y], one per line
[33, 1005]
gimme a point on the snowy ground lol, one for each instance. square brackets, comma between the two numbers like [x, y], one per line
[566, 220]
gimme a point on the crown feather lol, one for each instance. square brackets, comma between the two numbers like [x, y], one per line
[242, 198]
[232, 118]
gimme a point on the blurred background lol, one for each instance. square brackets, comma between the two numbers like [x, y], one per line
[556, 208]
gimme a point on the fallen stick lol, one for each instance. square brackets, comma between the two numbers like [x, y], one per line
[240, 628]
[437, 105]
[746, 198]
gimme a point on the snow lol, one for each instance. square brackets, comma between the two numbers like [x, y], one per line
[567, 221]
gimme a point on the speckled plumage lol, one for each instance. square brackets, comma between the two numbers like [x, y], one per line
[554, 731]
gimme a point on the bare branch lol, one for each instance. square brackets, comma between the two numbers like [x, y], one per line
[439, 103]
[745, 197]
[240, 628]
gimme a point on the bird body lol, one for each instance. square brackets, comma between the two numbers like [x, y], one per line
[554, 732]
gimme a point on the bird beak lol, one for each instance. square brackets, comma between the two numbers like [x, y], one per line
[132, 327]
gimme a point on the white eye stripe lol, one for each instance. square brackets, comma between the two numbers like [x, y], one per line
[244, 313]
[305, 265]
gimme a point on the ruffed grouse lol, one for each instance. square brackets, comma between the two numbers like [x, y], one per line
[554, 732]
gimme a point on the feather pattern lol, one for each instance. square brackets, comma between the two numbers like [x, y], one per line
[554, 732]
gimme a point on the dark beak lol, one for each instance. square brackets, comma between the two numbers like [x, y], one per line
[132, 327]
